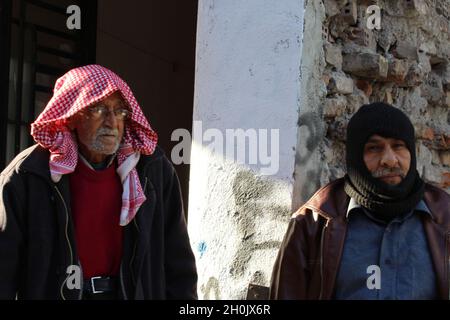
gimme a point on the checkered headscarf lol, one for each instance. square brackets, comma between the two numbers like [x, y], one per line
[75, 91]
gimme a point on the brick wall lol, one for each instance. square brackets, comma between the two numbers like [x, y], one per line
[405, 63]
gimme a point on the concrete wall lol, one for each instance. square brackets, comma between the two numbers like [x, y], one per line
[248, 77]
[308, 163]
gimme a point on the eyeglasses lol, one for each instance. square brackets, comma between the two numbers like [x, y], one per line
[100, 112]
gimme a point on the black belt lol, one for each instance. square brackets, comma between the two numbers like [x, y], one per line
[100, 284]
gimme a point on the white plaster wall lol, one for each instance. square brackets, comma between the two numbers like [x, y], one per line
[248, 77]
[309, 166]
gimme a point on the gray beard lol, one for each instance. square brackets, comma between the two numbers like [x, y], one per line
[98, 146]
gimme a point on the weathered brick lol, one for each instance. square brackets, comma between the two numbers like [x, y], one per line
[363, 37]
[437, 61]
[367, 3]
[414, 77]
[435, 159]
[424, 132]
[338, 27]
[428, 47]
[325, 32]
[388, 97]
[446, 87]
[446, 77]
[424, 158]
[331, 8]
[386, 39]
[397, 70]
[434, 95]
[356, 100]
[365, 86]
[340, 83]
[333, 55]
[405, 50]
[336, 130]
[432, 90]
[349, 13]
[440, 142]
[326, 78]
[365, 65]
[416, 6]
[417, 72]
[424, 63]
[444, 156]
[334, 107]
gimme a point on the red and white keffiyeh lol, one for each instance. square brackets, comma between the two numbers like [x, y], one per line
[75, 91]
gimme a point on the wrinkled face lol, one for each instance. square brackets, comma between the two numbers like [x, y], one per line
[387, 159]
[99, 128]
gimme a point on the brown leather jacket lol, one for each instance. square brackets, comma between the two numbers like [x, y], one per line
[310, 254]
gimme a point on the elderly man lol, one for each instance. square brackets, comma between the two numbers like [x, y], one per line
[94, 210]
[378, 233]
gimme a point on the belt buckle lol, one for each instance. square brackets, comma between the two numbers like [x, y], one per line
[93, 286]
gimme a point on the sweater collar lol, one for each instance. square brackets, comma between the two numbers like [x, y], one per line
[110, 160]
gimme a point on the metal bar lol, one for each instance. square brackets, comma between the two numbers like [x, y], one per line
[73, 37]
[59, 53]
[45, 89]
[48, 6]
[46, 69]
[20, 75]
[64, 35]
[5, 53]
[33, 81]
[19, 123]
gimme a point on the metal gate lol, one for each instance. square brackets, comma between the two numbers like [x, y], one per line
[36, 48]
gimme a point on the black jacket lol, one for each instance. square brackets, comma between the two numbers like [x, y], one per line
[37, 242]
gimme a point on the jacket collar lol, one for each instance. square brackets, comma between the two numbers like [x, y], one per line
[327, 201]
[438, 201]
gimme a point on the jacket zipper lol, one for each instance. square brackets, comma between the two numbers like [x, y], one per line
[134, 253]
[67, 238]
[80, 295]
[122, 283]
[322, 237]
[132, 257]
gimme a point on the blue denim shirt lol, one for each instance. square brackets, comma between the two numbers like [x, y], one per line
[399, 249]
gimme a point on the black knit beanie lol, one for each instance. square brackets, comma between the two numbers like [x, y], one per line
[383, 199]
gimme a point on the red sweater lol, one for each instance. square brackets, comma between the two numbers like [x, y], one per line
[96, 201]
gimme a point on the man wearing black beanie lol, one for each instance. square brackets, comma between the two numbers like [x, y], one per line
[387, 199]
[380, 232]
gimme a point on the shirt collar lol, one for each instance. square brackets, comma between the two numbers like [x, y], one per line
[421, 206]
[110, 161]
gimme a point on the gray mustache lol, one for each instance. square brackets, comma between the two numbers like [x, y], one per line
[386, 171]
[106, 131]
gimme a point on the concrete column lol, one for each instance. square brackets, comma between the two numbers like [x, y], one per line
[246, 103]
